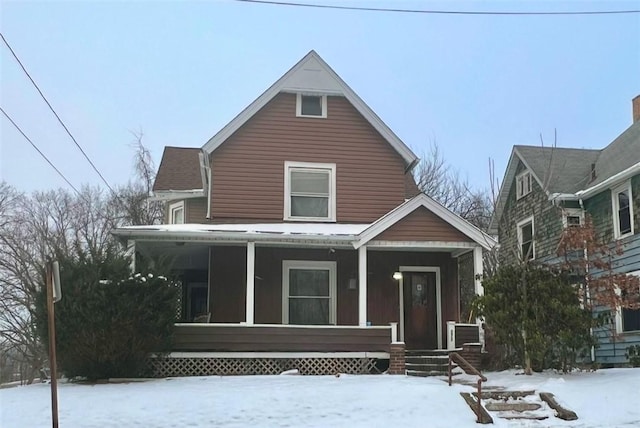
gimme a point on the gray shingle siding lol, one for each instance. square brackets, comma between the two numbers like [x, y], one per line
[547, 223]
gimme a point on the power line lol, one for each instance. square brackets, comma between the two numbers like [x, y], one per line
[39, 151]
[56, 114]
[436, 12]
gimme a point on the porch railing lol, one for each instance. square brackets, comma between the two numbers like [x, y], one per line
[459, 333]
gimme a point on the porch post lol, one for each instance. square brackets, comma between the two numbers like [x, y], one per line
[251, 262]
[478, 270]
[362, 286]
[131, 252]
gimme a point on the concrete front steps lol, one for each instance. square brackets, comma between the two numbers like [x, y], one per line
[519, 405]
[427, 362]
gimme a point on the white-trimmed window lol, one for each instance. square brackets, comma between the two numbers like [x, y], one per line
[311, 105]
[572, 217]
[526, 241]
[523, 184]
[308, 292]
[622, 201]
[176, 213]
[309, 191]
[628, 320]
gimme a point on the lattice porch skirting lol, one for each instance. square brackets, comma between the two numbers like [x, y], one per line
[204, 366]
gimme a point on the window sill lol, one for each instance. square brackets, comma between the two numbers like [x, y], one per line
[310, 219]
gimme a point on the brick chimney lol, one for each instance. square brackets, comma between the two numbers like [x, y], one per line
[636, 109]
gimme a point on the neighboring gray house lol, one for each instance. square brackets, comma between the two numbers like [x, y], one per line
[546, 189]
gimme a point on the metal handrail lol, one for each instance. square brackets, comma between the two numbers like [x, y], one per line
[469, 369]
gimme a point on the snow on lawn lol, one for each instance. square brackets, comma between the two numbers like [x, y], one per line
[607, 398]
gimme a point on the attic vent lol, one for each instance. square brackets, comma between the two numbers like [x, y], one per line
[593, 171]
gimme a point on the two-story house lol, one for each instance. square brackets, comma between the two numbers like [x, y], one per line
[300, 235]
[547, 189]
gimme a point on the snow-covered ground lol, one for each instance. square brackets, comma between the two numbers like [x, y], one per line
[606, 398]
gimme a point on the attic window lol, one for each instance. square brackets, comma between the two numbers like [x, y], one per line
[523, 184]
[572, 217]
[311, 106]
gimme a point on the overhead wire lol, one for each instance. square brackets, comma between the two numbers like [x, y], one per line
[40, 152]
[15, 56]
[436, 11]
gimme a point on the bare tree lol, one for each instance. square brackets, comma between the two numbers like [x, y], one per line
[444, 184]
[59, 224]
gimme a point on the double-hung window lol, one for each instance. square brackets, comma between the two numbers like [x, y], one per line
[526, 242]
[309, 191]
[622, 210]
[308, 292]
[176, 213]
[523, 184]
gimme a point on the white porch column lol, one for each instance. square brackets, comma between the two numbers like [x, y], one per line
[251, 263]
[477, 270]
[131, 252]
[362, 286]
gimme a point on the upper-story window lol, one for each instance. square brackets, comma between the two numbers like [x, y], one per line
[176, 213]
[572, 217]
[309, 191]
[526, 242]
[622, 210]
[311, 105]
[523, 184]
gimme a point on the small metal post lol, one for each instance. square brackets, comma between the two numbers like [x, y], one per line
[52, 347]
[450, 369]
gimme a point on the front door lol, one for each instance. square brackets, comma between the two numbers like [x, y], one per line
[420, 310]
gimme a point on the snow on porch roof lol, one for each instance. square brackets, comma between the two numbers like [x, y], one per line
[258, 231]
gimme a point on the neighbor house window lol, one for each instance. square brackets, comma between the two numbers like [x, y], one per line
[572, 217]
[176, 213]
[310, 191]
[628, 319]
[523, 184]
[309, 292]
[622, 210]
[526, 243]
[311, 105]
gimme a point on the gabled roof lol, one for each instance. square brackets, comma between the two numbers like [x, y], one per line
[179, 170]
[422, 200]
[313, 75]
[555, 169]
[568, 171]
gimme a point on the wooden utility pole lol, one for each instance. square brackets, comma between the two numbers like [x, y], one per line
[52, 347]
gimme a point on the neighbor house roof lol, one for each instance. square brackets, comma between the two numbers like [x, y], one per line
[557, 169]
[566, 171]
[179, 170]
[622, 153]
[313, 75]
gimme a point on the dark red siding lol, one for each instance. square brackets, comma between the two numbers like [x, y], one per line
[248, 168]
[423, 225]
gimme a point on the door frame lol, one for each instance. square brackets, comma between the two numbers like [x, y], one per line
[436, 270]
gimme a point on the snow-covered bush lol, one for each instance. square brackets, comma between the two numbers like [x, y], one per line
[108, 321]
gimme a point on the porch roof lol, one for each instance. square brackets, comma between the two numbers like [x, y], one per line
[274, 232]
